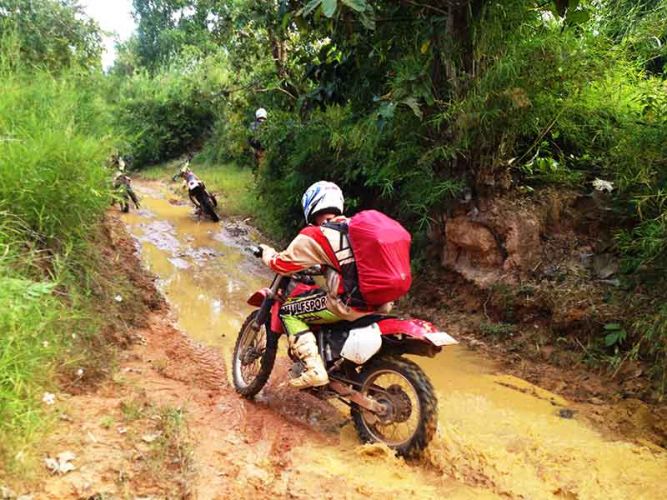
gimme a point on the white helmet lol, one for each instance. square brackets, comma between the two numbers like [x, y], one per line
[261, 114]
[323, 196]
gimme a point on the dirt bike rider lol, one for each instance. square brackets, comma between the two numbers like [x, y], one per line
[319, 243]
[260, 117]
[121, 179]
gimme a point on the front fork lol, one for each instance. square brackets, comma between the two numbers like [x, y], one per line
[263, 314]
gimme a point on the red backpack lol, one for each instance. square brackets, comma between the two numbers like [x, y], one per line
[381, 248]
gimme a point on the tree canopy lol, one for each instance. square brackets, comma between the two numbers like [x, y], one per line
[53, 33]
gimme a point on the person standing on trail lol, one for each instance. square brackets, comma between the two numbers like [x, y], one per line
[260, 117]
[322, 242]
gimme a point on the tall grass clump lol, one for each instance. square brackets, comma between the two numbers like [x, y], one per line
[171, 112]
[54, 137]
[52, 151]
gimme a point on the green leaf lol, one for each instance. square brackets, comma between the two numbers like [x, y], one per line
[367, 20]
[310, 7]
[611, 339]
[577, 17]
[612, 326]
[414, 106]
[386, 110]
[358, 5]
[329, 7]
[285, 21]
[36, 290]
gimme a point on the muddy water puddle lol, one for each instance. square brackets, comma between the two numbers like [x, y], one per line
[498, 434]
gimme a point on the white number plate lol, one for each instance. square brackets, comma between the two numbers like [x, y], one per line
[440, 338]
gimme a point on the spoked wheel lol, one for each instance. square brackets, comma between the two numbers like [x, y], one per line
[410, 415]
[254, 355]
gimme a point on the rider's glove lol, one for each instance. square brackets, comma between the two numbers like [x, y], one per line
[267, 253]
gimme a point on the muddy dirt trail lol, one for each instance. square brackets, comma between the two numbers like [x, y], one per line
[498, 435]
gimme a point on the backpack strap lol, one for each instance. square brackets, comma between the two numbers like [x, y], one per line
[337, 233]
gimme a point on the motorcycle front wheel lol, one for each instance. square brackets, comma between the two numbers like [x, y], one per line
[253, 358]
[411, 407]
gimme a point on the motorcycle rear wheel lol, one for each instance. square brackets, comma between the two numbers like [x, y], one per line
[406, 391]
[253, 358]
[207, 205]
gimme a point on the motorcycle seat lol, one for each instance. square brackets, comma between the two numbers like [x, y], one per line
[369, 319]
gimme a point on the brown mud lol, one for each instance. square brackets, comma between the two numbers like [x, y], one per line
[168, 424]
[610, 402]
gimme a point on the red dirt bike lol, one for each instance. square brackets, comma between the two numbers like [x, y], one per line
[391, 399]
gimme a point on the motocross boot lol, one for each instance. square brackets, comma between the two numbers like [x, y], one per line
[314, 373]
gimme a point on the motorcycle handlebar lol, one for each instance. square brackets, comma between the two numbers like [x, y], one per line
[312, 271]
[317, 270]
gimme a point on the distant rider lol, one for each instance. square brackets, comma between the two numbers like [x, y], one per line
[121, 179]
[320, 243]
[260, 117]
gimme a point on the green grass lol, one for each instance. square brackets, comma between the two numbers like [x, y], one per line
[29, 318]
[55, 290]
[233, 185]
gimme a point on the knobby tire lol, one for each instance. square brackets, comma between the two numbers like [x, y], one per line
[428, 402]
[268, 359]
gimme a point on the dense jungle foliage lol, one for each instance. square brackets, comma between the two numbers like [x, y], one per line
[410, 105]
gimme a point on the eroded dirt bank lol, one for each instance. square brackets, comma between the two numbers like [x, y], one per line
[168, 424]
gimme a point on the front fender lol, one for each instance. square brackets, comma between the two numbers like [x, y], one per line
[276, 323]
[257, 298]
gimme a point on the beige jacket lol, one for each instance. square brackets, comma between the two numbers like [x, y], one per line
[311, 247]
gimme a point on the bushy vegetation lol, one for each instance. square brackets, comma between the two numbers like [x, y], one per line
[163, 116]
[50, 34]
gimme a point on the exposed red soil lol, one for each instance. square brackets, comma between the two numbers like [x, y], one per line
[224, 447]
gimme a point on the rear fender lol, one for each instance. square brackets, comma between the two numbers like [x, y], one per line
[415, 328]
[258, 297]
[411, 336]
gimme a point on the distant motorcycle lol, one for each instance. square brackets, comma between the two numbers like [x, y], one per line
[122, 185]
[204, 201]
